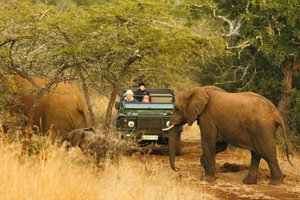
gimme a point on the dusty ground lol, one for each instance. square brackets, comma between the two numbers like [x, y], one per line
[229, 184]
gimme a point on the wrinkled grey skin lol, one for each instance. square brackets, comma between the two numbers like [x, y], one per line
[88, 141]
[245, 120]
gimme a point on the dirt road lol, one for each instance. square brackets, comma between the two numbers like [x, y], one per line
[232, 166]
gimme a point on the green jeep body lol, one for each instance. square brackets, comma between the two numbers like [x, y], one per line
[144, 121]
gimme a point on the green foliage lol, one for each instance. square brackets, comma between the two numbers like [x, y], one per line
[100, 38]
[296, 103]
[276, 23]
[260, 36]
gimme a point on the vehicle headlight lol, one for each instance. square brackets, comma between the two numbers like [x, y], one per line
[168, 123]
[131, 124]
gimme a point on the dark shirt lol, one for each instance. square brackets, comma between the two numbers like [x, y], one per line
[139, 94]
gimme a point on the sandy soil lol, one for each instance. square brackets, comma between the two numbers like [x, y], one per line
[232, 166]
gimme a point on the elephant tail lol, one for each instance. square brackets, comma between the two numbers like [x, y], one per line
[288, 152]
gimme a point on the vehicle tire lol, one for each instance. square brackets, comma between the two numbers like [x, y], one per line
[178, 145]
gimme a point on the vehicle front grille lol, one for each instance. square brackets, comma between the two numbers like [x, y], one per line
[151, 124]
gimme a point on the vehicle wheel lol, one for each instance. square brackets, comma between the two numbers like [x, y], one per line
[178, 145]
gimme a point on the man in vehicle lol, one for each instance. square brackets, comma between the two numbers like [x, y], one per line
[141, 92]
[129, 96]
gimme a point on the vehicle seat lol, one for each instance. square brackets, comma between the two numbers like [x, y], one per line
[161, 98]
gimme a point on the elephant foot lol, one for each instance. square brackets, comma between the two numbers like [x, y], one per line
[209, 179]
[276, 181]
[250, 180]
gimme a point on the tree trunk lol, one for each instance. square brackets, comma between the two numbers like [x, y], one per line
[87, 98]
[115, 84]
[109, 109]
[290, 67]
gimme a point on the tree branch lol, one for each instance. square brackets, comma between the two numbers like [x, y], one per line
[6, 41]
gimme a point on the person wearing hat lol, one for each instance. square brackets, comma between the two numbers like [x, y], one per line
[129, 96]
[141, 91]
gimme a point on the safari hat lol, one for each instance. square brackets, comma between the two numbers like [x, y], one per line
[129, 92]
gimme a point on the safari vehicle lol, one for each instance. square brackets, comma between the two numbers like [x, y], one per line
[144, 122]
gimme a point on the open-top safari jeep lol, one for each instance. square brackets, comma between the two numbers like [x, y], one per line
[144, 121]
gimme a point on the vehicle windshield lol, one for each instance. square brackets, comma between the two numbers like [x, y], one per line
[129, 105]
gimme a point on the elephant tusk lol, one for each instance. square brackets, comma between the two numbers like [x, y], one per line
[168, 128]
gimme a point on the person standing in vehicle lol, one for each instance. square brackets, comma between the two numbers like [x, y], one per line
[141, 92]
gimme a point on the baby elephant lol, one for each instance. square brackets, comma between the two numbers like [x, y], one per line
[88, 141]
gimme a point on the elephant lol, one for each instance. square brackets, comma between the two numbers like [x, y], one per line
[61, 109]
[88, 141]
[247, 120]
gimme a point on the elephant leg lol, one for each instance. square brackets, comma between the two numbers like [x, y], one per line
[208, 141]
[276, 174]
[266, 148]
[251, 178]
[209, 153]
[209, 134]
[220, 146]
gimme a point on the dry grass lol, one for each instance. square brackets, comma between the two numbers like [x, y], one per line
[54, 173]
[57, 174]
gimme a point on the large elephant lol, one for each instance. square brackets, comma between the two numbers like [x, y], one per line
[245, 120]
[62, 108]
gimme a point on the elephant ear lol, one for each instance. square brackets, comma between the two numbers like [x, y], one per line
[196, 104]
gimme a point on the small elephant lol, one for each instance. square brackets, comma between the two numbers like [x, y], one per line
[245, 120]
[88, 141]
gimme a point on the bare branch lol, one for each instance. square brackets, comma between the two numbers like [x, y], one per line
[165, 23]
[200, 6]
[250, 81]
[64, 34]
[86, 94]
[247, 6]
[6, 41]
[261, 42]
[234, 25]
[44, 14]
[241, 46]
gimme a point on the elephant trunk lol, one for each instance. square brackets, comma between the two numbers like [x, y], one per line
[172, 139]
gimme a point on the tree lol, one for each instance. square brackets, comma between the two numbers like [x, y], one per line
[112, 44]
[264, 36]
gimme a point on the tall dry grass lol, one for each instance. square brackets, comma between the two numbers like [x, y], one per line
[57, 174]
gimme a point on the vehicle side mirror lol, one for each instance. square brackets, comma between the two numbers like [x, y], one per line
[117, 105]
